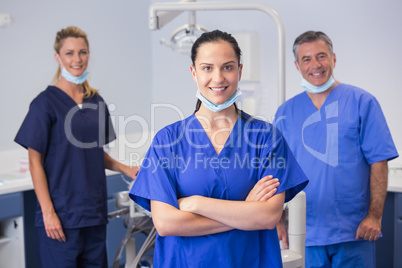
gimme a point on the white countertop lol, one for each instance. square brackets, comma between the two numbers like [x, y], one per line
[15, 182]
[395, 180]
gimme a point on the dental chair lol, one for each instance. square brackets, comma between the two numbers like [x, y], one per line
[137, 220]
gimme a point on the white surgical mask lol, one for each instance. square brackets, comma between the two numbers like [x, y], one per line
[218, 107]
[72, 78]
[317, 89]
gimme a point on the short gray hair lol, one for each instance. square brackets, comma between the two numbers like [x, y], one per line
[311, 36]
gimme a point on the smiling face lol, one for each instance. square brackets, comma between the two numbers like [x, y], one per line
[74, 55]
[216, 71]
[315, 62]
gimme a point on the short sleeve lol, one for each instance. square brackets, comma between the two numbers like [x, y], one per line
[35, 129]
[155, 179]
[280, 162]
[375, 136]
[110, 134]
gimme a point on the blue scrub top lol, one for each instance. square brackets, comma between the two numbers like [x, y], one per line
[335, 146]
[71, 141]
[182, 162]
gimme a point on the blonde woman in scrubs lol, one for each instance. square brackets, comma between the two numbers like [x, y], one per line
[64, 131]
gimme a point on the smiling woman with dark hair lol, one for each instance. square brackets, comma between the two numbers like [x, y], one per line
[217, 180]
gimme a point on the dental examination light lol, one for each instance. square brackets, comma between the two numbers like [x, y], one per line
[162, 13]
[184, 37]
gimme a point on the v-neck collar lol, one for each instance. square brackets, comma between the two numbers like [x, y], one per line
[66, 98]
[204, 139]
[328, 99]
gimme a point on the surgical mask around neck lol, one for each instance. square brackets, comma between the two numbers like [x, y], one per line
[218, 107]
[317, 89]
[72, 78]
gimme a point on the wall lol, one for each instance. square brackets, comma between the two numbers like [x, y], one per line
[366, 41]
[132, 70]
[120, 62]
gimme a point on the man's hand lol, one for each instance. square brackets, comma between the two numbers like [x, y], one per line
[369, 229]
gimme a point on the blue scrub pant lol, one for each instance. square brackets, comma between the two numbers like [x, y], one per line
[84, 247]
[353, 254]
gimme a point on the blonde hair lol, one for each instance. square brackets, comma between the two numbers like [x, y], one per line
[61, 36]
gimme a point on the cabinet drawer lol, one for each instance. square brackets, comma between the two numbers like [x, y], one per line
[10, 205]
[398, 205]
[398, 243]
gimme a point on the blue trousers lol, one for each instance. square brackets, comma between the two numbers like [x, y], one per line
[353, 254]
[84, 247]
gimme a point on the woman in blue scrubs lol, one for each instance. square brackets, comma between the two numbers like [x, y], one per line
[65, 130]
[216, 181]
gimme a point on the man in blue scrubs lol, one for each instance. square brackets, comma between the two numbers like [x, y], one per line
[341, 140]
